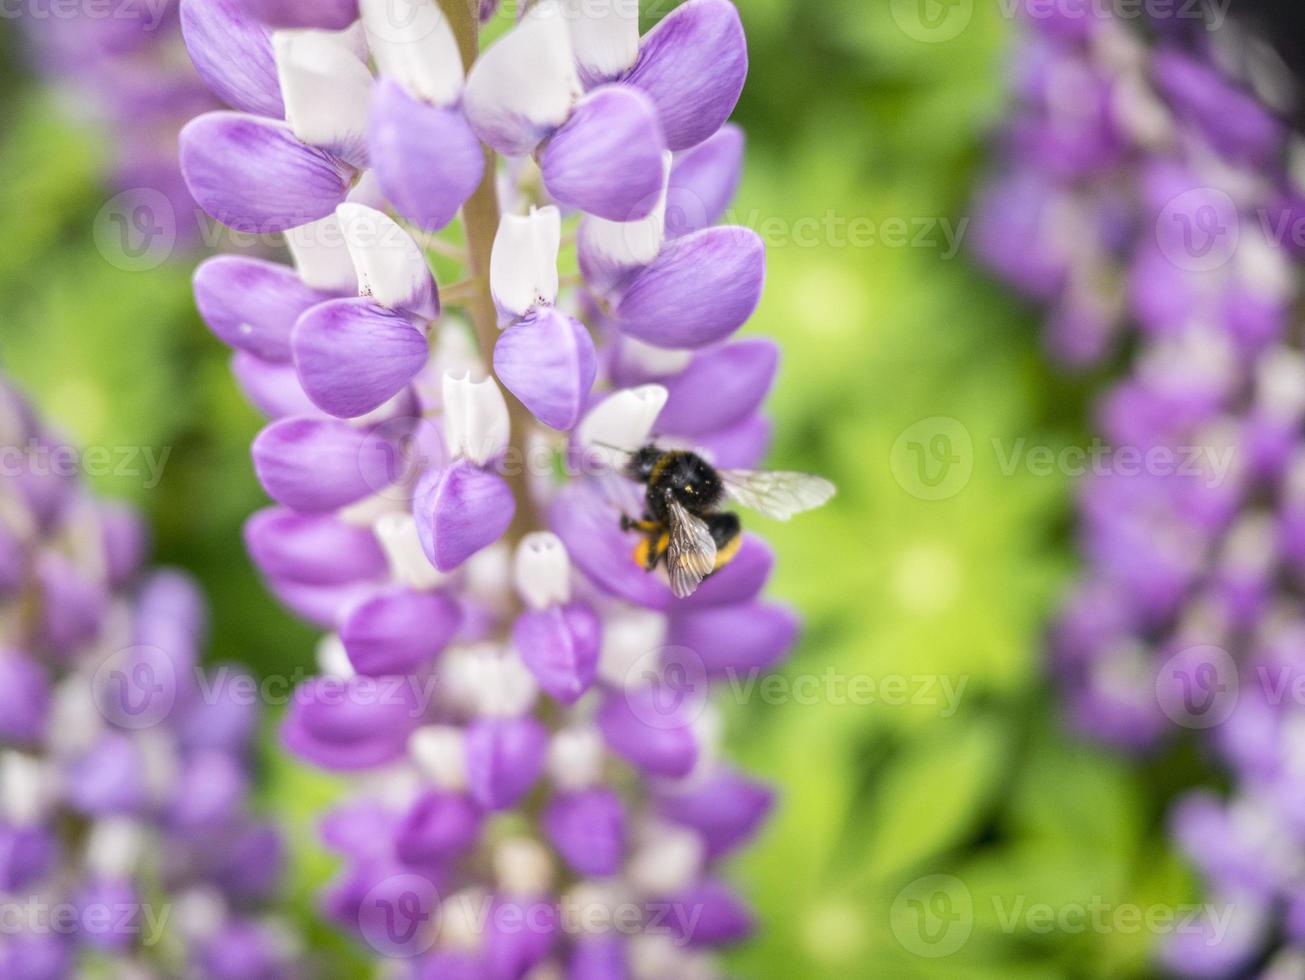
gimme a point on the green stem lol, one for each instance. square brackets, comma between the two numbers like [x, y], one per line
[480, 217]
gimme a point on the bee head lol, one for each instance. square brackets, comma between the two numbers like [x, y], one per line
[641, 464]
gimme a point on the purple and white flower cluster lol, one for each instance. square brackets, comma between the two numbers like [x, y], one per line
[121, 68]
[540, 785]
[1150, 187]
[127, 842]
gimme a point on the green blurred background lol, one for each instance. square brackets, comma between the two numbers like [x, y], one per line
[851, 116]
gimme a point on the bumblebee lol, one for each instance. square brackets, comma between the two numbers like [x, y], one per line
[682, 524]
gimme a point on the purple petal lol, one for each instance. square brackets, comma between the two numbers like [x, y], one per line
[560, 646]
[314, 464]
[726, 810]
[253, 175]
[461, 509]
[353, 356]
[251, 304]
[703, 182]
[272, 388]
[599, 957]
[743, 638]
[607, 158]
[505, 757]
[316, 549]
[693, 65]
[740, 447]
[510, 949]
[107, 779]
[426, 157]
[588, 830]
[244, 949]
[27, 854]
[211, 790]
[361, 828]
[113, 933]
[24, 698]
[225, 719]
[399, 630]
[667, 748]
[72, 606]
[233, 54]
[321, 605]
[700, 289]
[328, 15]
[548, 361]
[25, 956]
[719, 388]
[126, 543]
[439, 826]
[722, 918]
[351, 723]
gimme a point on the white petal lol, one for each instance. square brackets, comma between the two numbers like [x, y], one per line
[326, 88]
[114, 847]
[619, 245]
[412, 43]
[391, 266]
[653, 361]
[475, 418]
[523, 264]
[523, 867]
[524, 85]
[543, 570]
[622, 421]
[321, 257]
[628, 638]
[440, 753]
[25, 788]
[667, 861]
[575, 758]
[332, 658]
[397, 534]
[604, 35]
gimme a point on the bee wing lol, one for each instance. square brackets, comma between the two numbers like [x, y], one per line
[691, 551]
[779, 494]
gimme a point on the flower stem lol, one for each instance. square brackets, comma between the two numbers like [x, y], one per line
[480, 217]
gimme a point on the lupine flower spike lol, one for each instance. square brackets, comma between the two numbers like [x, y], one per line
[538, 788]
[127, 841]
[1163, 202]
